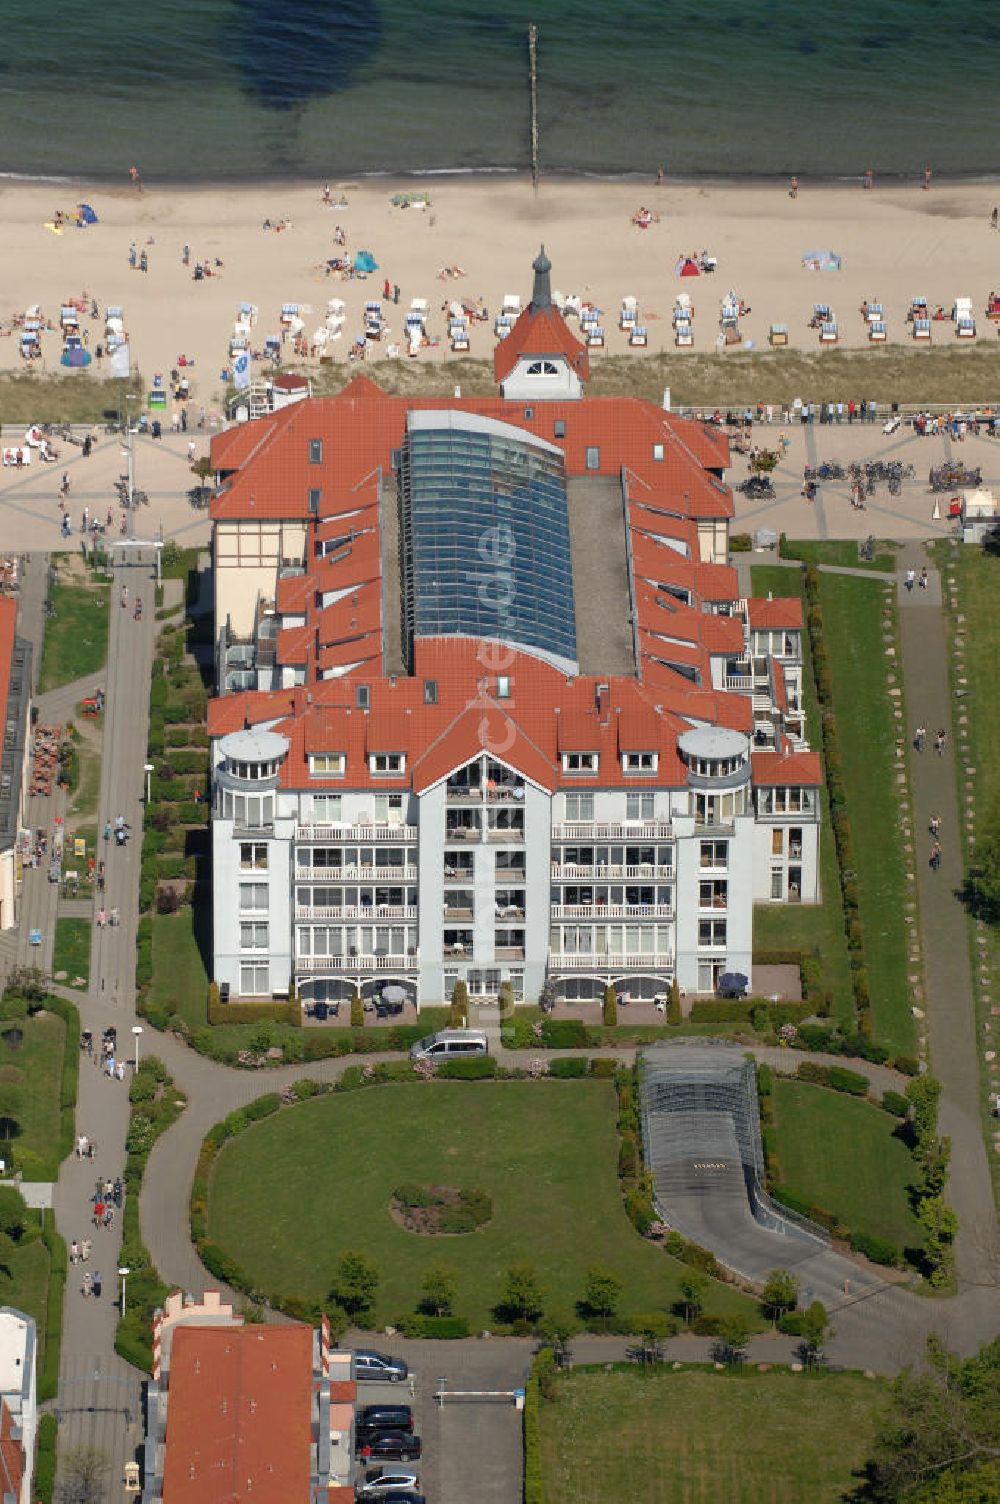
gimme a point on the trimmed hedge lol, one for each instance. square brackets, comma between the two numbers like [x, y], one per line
[565, 1034]
[444, 1328]
[570, 1067]
[834, 1076]
[879, 1250]
[289, 1013]
[476, 1068]
[45, 1463]
[48, 1376]
[534, 1485]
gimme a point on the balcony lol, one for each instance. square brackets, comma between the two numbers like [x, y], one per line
[358, 911]
[500, 794]
[304, 964]
[509, 952]
[612, 911]
[592, 830]
[356, 834]
[603, 870]
[651, 961]
[459, 874]
[457, 911]
[356, 874]
[505, 832]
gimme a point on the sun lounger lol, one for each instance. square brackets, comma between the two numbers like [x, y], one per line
[876, 333]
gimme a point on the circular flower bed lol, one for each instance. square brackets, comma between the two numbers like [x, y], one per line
[436, 1210]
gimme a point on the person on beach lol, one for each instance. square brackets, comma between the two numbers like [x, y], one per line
[793, 188]
[927, 178]
[144, 262]
[133, 255]
[994, 217]
[869, 180]
[133, 173]
[659, 177]
[326, 193]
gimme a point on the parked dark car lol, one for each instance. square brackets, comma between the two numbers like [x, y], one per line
[369, 1365]
[384, 1418]
[392, 1446]
[404, 1496]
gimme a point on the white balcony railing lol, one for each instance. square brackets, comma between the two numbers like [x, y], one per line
[650, 961]
[356, 911]
[356, 874]
[571, 873]
[357, 834]
[612, 911]
[595, 830]
[357, 963]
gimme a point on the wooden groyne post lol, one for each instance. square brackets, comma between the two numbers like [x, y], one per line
[533, 95]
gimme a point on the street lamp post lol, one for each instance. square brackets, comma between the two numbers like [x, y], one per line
[123, 1274]
[136, 1031]
[148, 770]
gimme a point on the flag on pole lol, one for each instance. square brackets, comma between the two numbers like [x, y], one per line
[241, 370]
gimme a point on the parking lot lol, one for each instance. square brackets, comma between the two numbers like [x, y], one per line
[471, 1446]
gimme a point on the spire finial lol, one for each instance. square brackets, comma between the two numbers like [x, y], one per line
[541, 296]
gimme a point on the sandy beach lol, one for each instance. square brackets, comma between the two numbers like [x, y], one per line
[895, 243]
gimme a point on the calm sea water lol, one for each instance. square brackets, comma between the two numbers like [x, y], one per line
[208, 89]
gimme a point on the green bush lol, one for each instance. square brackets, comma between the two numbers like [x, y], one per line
[609, 1011]
[700, 1258]
[706, 1326]
[720, 1011]
[907, 1065]
[476, 1068]
[569, 1067]
[879, 1250]
[565, 1034]
[48, 1377]
[262, 1107]
[357, 1012]
[534, 1485]
[896, 1103]
[603, 1067]
[851, 1082]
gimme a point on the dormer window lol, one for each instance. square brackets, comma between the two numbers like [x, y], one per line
[315, 451]
[542, 368]
[387, 764]
[640, 762]
[327, 764]
[579, 762]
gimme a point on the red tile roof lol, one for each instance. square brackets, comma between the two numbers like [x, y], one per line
[540, 331]
[12, 1458]
[8, 631]
[777, 768]
[239, 1415]
[785, 612]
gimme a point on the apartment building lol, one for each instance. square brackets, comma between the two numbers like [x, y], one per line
[490, 703]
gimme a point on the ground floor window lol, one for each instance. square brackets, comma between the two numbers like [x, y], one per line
[709, 973]
[484, 983]
[777, 883]
[255, 980]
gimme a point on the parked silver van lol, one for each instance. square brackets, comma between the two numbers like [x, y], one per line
[450, 1044]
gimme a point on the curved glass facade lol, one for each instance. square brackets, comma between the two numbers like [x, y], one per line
[486, 543]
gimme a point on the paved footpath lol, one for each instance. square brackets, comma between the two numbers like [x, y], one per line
[99, 1394]
[945, 930]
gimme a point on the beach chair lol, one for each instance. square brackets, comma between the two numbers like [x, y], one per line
[595, 336]
[512, 303]
[459, 338]
[876, 333]
[571, 306]
[336, 306]
[504, 324]
[639, 337]
[629, 313]
[965, 327]
[419, 305]
[414, 337]
[683, 335]
[272, 346]
[875, 313]
[828, 332]
[777, 335]
[922, 329]
[289, 311]
[248, 313]
[918, 308]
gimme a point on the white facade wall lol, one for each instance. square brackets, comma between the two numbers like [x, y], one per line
[18, 1385]
[564, 383]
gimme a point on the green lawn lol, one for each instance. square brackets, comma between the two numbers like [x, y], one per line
[76, 639]
[289, 1194]
[852, 612]
[26, 1286]
[30, 1076]
[701, 1438]
[809, 927]
[841, 551]
[180, 981]
[841, 1154]
[71, 951]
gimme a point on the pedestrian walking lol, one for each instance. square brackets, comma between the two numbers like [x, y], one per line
[927, 178]
[934, 825]
[935, 861]
[87, 1283]
[919, 737]
[124, 596]
[133, 255]
[192, 449]
[64, 484]
[85, 1248]
[144, 262]
[186, 256]
[923, 578]
[74, 1252]
[911, 575]
[793, 188]
[993, 218]
[96, 1284]
[939, 742]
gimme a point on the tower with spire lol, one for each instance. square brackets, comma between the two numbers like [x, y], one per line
[540, 360]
